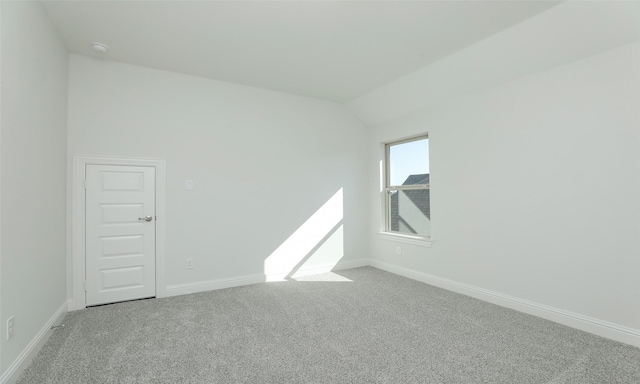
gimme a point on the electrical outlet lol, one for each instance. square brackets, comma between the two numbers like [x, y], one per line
[190, 263]
[10, 327]
[398, 250]
[188, 185]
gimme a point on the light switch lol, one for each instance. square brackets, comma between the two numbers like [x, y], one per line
[189, 185]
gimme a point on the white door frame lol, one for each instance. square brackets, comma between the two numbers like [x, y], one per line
[78, 298]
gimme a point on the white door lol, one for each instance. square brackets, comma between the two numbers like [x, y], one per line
[120, 233]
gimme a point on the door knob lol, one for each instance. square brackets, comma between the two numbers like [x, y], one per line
[146, 218]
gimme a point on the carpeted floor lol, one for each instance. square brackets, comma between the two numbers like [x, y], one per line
[375, 328]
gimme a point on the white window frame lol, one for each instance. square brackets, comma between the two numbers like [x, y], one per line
[385, 177]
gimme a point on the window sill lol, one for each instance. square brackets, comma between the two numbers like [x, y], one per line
[421, 241]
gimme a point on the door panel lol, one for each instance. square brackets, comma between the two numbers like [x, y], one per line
[122, 278]
[120, 247]
[114, 246]
[121, 213]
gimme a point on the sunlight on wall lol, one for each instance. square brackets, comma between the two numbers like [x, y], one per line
[317, 244]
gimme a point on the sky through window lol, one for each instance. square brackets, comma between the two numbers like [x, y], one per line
[408, 159]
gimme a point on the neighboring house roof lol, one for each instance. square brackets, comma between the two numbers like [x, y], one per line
[411, 217]
[417, 179]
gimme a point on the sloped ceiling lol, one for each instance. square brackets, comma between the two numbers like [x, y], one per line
[571, 31]
[329, 50]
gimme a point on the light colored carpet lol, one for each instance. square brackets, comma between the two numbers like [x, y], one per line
[375, 328]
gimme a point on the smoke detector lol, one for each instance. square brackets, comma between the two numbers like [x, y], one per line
[99, 47]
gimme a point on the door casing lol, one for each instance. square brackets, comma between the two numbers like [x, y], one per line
[78, 300]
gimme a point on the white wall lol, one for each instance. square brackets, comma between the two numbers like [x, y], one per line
[535, 189]
[33, 172]
[263, 163]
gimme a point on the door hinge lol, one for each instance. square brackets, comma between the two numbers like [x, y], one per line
[84, 286]
[85, 184]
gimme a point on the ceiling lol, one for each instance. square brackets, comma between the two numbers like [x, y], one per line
[332, 50]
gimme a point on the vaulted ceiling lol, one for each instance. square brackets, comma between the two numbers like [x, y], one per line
[331, 50]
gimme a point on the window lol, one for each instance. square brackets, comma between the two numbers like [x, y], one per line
[406, 188]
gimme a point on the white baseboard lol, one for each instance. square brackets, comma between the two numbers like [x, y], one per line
[23, 360]
[318, 269]
[210, 285]
[585, 323]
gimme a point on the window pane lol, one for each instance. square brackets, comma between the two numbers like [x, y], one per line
[409, 163]
[410, 212]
